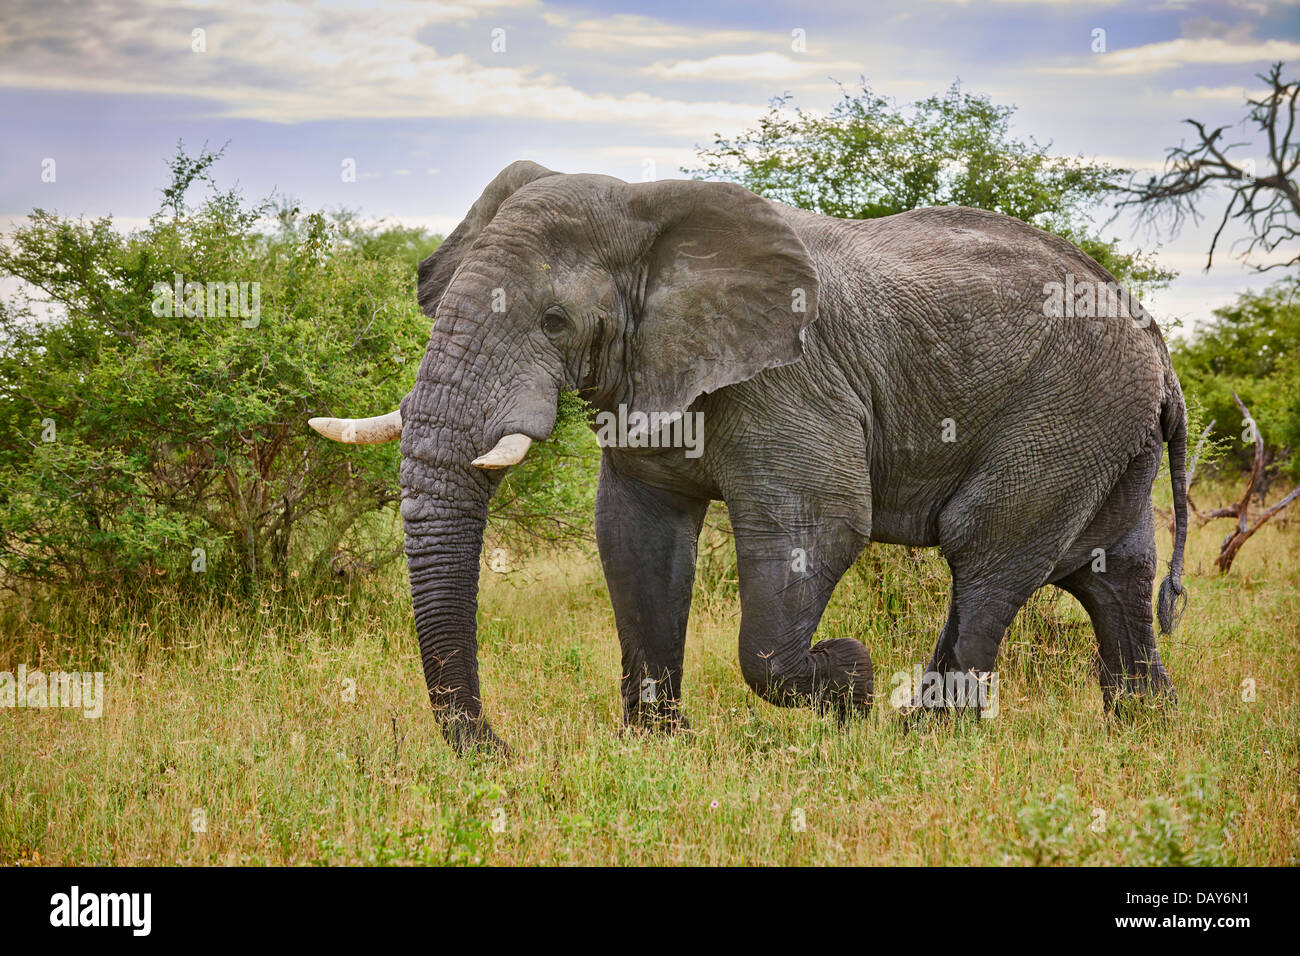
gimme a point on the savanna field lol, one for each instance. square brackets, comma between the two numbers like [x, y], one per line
[169, 519]
[298, 726]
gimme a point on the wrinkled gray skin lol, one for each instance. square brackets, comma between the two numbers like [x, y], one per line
[823, 428]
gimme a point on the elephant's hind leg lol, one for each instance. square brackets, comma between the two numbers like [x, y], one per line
[1117, 596]
[985, 600]
[1002, 533]
[786, 579]
[647, 539]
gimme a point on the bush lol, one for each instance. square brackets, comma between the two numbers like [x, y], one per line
[1251, 347]
[154, 421]
[155, 388]
[550, 498]
[868, 157]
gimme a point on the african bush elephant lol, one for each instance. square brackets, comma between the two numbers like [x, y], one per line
[905, 380]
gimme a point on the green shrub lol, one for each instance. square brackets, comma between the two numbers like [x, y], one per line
[155, 387]
[1251, 347]
[868, 157]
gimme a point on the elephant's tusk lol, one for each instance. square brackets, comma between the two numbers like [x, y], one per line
[361, 431]
[510, 450]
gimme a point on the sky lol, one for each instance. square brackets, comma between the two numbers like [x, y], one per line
[427, 101]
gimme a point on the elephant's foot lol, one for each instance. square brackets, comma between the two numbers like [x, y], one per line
[842, 707]
[845, 678]
[1131, 699]
[944, 694]
[661, 717]
[834, 676]
[468, 734]
[1142, 687]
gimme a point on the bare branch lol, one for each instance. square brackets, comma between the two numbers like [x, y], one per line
[1241, 510]
[1267, 205]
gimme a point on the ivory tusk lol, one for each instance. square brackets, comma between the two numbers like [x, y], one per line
[361, 431]
[510, 450]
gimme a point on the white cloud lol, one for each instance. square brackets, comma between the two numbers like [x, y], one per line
[747, 66]
[1183, 52]
[298, 61]
[1229, 258]
[1237, 94]
[629, 30]
[1047, 3]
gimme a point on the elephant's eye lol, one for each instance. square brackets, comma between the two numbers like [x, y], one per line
[554, 321]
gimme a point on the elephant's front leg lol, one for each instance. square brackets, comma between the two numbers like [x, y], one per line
[787, 576]
[647, 539]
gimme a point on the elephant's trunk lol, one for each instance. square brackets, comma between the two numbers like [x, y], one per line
[470, 416]
[444, 510]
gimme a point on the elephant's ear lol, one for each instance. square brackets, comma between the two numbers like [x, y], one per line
[729, 290]
[436, 271]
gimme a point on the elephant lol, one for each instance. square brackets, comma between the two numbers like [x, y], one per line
[911, 379]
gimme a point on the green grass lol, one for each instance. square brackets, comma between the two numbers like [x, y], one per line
[241, 712]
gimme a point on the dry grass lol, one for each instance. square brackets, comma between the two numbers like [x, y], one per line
[241, 712]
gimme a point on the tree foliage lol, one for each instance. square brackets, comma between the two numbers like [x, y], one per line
[551, 497]
[146, 432]
[869, 157]
[1251, 347]
[140, 434]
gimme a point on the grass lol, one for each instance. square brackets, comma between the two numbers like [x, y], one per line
[244, 713]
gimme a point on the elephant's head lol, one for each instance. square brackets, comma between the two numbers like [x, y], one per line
[644, 294]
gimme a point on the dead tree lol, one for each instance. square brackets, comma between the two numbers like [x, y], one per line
[1241, 509]
[1264, 198]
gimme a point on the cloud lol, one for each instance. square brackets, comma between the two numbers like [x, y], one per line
[294, 62]
[1199, 28]
[748, 66]
[1238, 94]
[1183, 52]
[627, 30]
[1050, 3]
[635, 163]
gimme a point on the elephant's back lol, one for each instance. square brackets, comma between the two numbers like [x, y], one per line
[991, 294]
[948, 314]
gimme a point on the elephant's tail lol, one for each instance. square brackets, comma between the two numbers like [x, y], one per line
[1174, 425]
